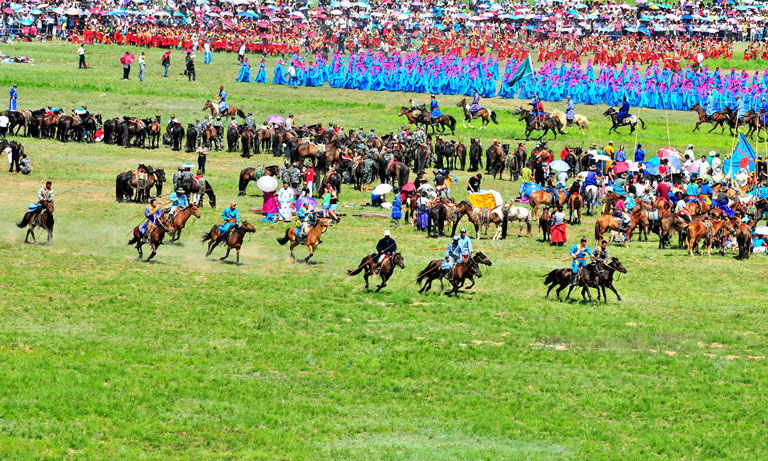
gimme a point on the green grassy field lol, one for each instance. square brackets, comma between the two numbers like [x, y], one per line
[102, 356]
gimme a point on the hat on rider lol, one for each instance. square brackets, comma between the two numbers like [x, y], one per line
[250, 113]
[463, 230]
[455, 237]
[180, 190]
[713, 153]
[584, 239]
[610, 142]
[221, 87]
[386, 232]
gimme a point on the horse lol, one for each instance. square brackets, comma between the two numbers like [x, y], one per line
[707, 230]
[493, 159]
[246, 140]
[514, 213]
[433, 272]
[234, 240]
[462, 272]
[263, 140]
[608, 222]
[208, 136]
[455, 151]
[194, 187]
[252, 174]
[575, 202]
[398, 171]
[231, 110]
[670, 224]
[126, 182]
[233, 139]
[421, 119]
[436, 219]
[191, 144]
[180, 220]
[578, 120]
[716, 119]
[630, 121]
[464, 208]
[44, 220]
[534, 124]
[591, 194]
[599, 275]
[744, 240]
[486, 115]
[543, 197]
[312, 239]
[174, 136]
[475, 155]
[155, 237]
[386, 269]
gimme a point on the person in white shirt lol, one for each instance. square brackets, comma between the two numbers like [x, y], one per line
[703, 167]
[207, 53]
[81, 57]
[241, 53]
[142, 66]
[4, 122]
[716, 162]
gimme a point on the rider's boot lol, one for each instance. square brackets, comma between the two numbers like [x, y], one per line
[574, 278]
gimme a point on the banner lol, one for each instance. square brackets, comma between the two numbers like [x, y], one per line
[524, 70]
[743, 156]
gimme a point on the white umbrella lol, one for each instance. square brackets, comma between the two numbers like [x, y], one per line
[382, 189]
[267, 184]
[761, 230]
[602, 157]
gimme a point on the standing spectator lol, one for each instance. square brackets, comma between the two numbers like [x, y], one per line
[166, 63]
[639, 154]
[202, 154]
[191, 69]
[207, 56]
[310, 180]
[13, 158]
[81, 56]
[397, 207]
[142, 66]
[334, 204]
[558, 228]
[14, 96]
[292, 76]
[241, 53]
[126, 66]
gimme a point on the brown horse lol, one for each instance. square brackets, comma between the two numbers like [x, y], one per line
[533, 124]
[155, 237]
[575, 202]
[486, 115]
[607, 222]
[420, 119]
[43, 220]
[180, 219]
[368, 264]
[234, 240]
[263, 139]
[716, 119]
[707, 230]
[246, 140]
[312, 240]
[231, 111]
[542, 197]
[209, 136]
[545, 225]
[155, 130]
[433, 272]
[252, 174]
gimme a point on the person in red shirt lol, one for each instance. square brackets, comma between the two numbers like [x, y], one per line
[564, 153]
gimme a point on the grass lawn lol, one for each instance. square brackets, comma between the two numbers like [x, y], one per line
[102, 356]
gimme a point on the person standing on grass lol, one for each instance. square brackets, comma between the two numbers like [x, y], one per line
[81, 57]
[142, 66]
[166, 63]
[191, 77]
[126, 67]
[241, 53]
[14, 97]
[397, 207]
[285, 200]
[4, 122]
[207, 56]
[202, 154]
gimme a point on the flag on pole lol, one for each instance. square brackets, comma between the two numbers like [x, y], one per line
[743, 156]
[524, 70]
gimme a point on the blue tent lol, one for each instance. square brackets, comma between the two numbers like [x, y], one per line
[743, 156]
[529, 188]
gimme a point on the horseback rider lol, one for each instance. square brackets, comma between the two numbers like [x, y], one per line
[290, 125]
[465, 245]
[153, 213]
[218, 126]
[231, 219]
[475, 105]
[570, 109]
[623, 219]
[179, 201]
[452, 254]
[223, 106]
[537, 110]
[250, 122]
[385, 248]
[623, 111]
[416, 108]
[601, 255]
[739, 110]
[709, 105]
[401, 135]
[176, 179]
[419, 136]
[372, 134]
[44, 196]
[434, 107]
[172, 122]
[579, 254]
[307, 219]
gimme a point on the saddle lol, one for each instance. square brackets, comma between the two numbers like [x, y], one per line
[708, 226]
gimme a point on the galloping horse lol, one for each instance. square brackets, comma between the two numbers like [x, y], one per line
[716, 119]
[312, 239]
[533, 124]
[630, 121]
[235, 239]
[385, 271]
[155, 237]
[486, 115]
[578, 120]
[433, 272]
[44, 220]
[231, 111]
[180, 220]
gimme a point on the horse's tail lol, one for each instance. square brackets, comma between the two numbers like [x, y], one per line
[359, 268]
[641, 122]
[529, 222]
[284, 240]
[133, 239]
[505, 213]
[586, 125]
[24, 221]
[598, 228]
[118, 189]
[493, 117]
[240, 113]
[453, 123]
[206, 237]
[423, 274]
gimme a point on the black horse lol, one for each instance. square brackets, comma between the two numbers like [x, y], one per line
[193, 186]
[533, 124]
[174, 136]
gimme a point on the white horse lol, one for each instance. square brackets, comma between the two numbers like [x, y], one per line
[510, 214]
[578, 120]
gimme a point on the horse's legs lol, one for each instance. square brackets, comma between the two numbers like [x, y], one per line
[237, 252]
[614, 292]
[229, 248]
[154, 250]
[365, 276]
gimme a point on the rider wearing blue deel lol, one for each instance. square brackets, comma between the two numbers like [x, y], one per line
[623, 111]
